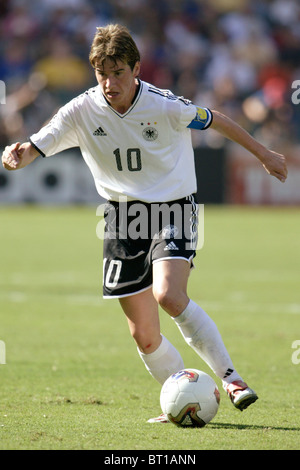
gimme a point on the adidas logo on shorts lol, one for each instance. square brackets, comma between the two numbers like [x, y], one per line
[171, 246]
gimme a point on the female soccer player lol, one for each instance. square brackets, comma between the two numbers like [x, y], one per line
[136, 140]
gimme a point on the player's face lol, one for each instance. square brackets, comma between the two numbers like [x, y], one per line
[118, 83]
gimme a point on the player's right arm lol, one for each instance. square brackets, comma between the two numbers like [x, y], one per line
[17, 156]
[57, 135]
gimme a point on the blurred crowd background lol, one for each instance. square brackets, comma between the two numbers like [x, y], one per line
[240, 57]
[237, 56]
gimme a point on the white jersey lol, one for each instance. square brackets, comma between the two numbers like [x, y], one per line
[145, 154]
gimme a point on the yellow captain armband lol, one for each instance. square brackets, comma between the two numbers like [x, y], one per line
[202, 120]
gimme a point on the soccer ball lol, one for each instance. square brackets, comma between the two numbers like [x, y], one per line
[190, 398]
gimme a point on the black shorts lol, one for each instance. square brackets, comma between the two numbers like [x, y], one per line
[138, 234]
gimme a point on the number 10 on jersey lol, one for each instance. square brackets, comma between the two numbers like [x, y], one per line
[132, 161]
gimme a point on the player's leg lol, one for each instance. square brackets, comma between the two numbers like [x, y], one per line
[127, 275]
[170, 277]
[141, 311]
[158, 354]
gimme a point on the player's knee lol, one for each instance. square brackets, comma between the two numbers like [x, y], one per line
[145, 339]
[170, 300]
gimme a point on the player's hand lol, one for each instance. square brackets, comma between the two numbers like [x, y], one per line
[275, 164]
[12, 156]
[18, 156]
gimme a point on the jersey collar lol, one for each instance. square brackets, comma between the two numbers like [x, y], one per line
[133, 103]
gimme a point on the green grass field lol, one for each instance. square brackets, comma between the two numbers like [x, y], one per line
[73, 379]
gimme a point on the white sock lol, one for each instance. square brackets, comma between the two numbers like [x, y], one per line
[162, 362]
[201, 333]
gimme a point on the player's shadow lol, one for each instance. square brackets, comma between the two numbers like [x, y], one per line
[252, 426]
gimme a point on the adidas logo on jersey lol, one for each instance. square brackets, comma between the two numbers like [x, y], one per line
[99, 132]
[171, 246]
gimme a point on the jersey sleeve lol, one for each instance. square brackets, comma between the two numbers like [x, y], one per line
[186, 114]
[58, 135]
[202, 119]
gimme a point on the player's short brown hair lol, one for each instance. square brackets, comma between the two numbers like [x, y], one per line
[113, 42]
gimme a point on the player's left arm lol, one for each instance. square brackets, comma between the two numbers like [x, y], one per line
[273, 162]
